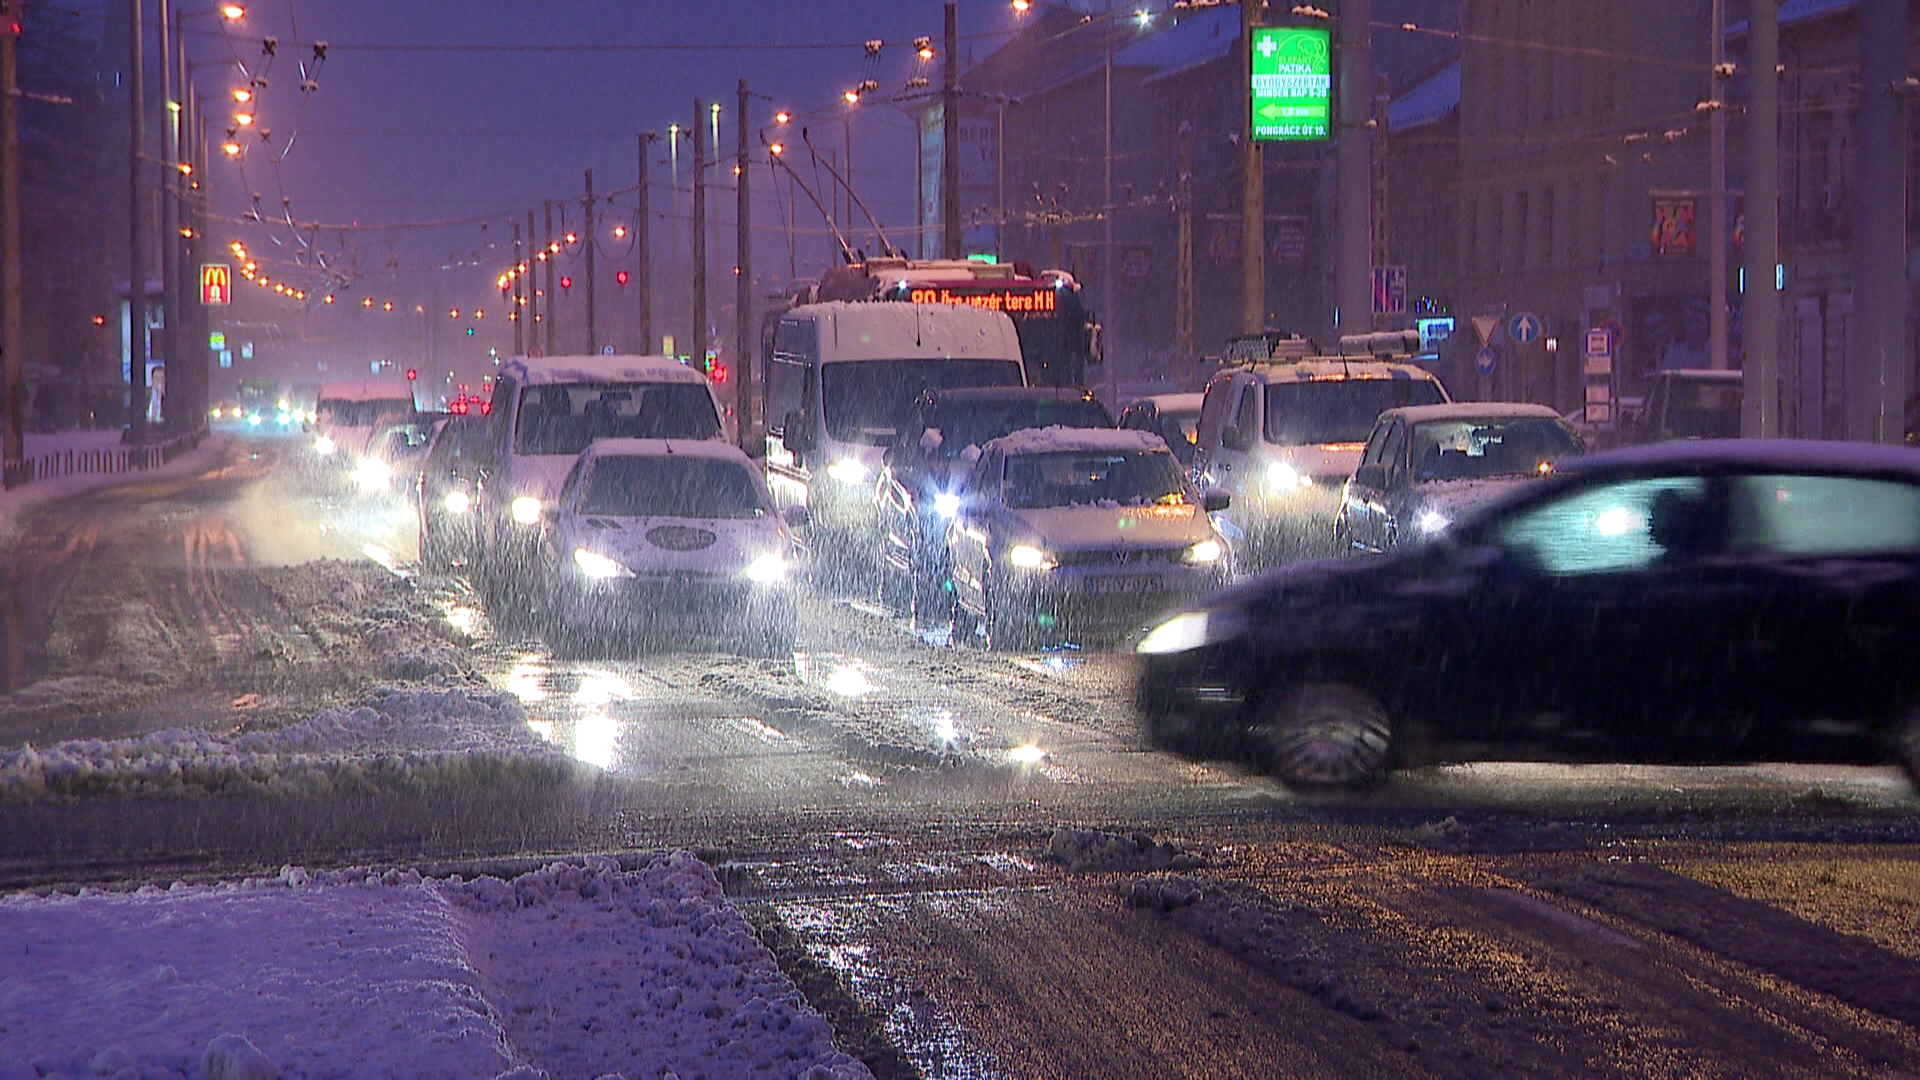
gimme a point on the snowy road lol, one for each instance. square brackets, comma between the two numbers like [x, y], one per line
[940, 842]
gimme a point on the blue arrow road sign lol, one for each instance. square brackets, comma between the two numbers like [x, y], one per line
[1484, 360]
[1523, 328]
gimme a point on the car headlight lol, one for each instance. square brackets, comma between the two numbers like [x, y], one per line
[525, 510]
[598, 566]
[216, 412]
[1185, 631]
[1205, 552]
[284, 418]
[457, 502]
[945, 504]
[849, 471]
[767, 569]
[1284, 476]
[254, 420]
[1028, 557]
[372, 474]
[1432, 521]
[323, 446]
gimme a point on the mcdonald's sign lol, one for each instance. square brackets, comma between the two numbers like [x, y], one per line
[216, 284]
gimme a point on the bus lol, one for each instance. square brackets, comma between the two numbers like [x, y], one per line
[1059, 337]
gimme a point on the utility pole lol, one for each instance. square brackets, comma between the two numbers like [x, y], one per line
[1183, 304]
[590, 242]
[532, 315]
[1877, 386]
[137, 232]
[699, 234]
[745, 333]
[950, 238]
[643, 252]
[1253, 191]
[547, 313]
[14, 448]
[1380, 237]
[514, 313]
[169, 225]
[1109, 257]
[1353, 265]
[1760, 327]
[1717, 242]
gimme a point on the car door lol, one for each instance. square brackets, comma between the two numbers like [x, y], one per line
[1360, 498]
[970, 534]
[1584, 623]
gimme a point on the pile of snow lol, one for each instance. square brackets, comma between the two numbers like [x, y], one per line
[398, 739]
[1081, 849]
[573, 970]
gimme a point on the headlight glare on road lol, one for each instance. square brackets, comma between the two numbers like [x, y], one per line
[849, 471]
[1432, 521]
[323, 446]
[457, 502]
[598, 566]
[946, 504]
[768, 569]
[1283, 476]
[1028, 557]
[372, 474]
[526, 510]
[1187, 630]
[1205, 552]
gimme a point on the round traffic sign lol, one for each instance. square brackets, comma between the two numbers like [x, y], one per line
[1523, 328]
[1484, 360]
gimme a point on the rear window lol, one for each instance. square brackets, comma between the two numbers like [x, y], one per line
[336, 412]
[1339, 410]
[564, 419]
[688, 487]
[1472, 449]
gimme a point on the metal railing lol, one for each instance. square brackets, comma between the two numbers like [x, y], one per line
[99, 461]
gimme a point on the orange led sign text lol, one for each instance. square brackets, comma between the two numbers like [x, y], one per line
[1020, 300]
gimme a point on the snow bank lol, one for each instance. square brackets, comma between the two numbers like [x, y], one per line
[398, 739]
[572, 970]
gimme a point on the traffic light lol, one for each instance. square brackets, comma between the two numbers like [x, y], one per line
[717, 372]
[566, 281]
[621, 277]
[469, 331]
[10, 18]
[412, 374]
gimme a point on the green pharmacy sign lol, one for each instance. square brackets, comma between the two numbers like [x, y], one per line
[1292, 84]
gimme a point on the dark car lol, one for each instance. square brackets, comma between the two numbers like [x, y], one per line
[930, 455]
[450, 487]
[1173, 417]
[1697, 601]
[1691, 403]
[1427, 465]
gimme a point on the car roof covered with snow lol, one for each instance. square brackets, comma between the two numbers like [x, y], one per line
[1333, 370]
[1172, 403]
[696, 448]
[972, 395]
[1069, 439]
[1736, 455]
[854, 330]
[550, 370]
[1471, 410]
[1702, 375]
[367, 390]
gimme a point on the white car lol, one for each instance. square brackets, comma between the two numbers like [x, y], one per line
[1064, 534]
[668, 537]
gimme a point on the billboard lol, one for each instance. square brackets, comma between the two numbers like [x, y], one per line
[1292, 84]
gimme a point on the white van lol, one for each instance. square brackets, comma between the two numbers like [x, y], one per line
[545, 411]
[346, 414]
[841, 376]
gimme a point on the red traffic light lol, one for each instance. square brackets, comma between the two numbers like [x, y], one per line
[719, 373]
[621, 277]
[412, 373]
[566, 282]
[99, 320]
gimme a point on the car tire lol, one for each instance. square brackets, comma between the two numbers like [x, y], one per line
[1324, 735]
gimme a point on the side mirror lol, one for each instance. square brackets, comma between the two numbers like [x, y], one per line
[1235, 439]
[1371, 476]
[1215, 501]
[795, 516]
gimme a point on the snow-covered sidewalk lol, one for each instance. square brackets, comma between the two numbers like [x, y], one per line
[576, 970]
[14, 500]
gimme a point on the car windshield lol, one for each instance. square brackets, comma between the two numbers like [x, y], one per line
[864, 400]
[1339, 410]
[1474, 448]
[669, 486]
[338, 412]
[1092, 478]
[564, 418]
[978, 423]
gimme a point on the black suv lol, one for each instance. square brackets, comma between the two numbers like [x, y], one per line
[928, 458]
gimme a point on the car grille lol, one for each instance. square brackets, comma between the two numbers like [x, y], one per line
[1133, 557]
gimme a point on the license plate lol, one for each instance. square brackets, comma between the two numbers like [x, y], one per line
[1128, 583]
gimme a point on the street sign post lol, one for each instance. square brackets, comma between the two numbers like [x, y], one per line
[1389, 290]
[1485, 360]
[1292, 82]
[1599, 375]
[1483, 325]
[1523, 328]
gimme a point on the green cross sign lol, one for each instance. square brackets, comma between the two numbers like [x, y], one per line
[1292, 82]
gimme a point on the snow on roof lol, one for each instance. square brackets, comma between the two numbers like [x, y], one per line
[852, 330]
[1472, 410]
[1069, 439]
[1175, 403]
[1308, 370]
[1783, 455]
[547, 370]
[1426, 102]
[700, 448]
[367, 390]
